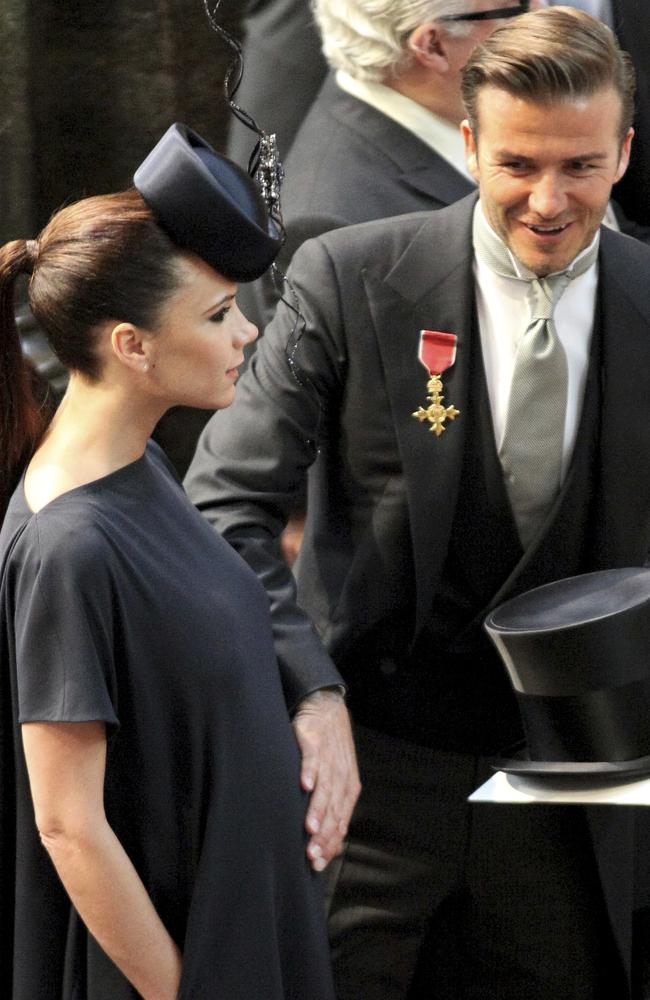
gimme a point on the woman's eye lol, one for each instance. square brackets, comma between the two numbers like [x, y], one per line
[219, 316]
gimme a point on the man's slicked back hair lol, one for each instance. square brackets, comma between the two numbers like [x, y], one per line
[549, 56]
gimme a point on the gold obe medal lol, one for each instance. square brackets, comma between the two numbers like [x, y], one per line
[437, 353]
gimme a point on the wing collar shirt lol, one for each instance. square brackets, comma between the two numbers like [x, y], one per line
[441, 136]
[503, 318]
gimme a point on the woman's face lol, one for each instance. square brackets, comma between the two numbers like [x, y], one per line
[198, 346]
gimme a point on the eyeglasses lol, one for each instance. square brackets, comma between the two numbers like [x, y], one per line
[487, 15]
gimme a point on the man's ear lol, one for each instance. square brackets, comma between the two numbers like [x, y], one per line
[426, 43]
[624, 156]
[471, 150]
[130, 346]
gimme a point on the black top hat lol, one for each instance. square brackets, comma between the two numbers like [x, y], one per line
[209, 205]
[578, 655]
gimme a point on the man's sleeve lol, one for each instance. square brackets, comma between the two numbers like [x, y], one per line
[258, 300]
[252, 458]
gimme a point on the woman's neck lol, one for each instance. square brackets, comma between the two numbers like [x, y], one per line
[96, 430]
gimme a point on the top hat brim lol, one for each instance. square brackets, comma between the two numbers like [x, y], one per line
[520, 763]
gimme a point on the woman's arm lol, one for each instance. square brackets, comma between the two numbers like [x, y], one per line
[66, 764]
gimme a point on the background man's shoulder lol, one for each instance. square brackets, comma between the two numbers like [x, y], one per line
[386, 239]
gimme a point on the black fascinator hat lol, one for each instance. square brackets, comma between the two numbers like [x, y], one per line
[208, 205]
[578, 655]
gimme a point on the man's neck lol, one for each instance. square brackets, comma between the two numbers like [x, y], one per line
[440, 99]
[439, 134]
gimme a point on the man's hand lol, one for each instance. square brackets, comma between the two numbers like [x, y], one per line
[329, 771]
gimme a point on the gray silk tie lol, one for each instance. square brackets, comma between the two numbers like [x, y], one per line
[531, 452]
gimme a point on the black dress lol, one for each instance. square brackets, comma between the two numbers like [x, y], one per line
[119, 603]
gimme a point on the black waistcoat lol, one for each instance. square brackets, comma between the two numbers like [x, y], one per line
[451, 691]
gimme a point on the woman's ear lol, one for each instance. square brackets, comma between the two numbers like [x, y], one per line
[130, 346]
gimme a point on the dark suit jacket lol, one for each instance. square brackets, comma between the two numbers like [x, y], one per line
[382, 489]
[351, 163]
[366, 292]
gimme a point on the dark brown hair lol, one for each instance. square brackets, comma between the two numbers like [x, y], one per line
[98, 259]
[548, 56]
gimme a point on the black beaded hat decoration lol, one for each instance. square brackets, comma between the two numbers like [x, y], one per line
[266, 168]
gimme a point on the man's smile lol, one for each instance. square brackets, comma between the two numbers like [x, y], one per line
[546, 229]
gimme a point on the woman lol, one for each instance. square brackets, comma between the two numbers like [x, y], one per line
[142, 712]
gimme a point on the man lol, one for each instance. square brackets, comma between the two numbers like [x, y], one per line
[382, 136]
[412, 536]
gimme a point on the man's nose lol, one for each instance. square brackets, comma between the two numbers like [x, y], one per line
[547, 198]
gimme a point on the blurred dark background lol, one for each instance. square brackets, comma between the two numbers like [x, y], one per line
[87, 89]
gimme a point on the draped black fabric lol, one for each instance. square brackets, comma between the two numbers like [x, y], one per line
[120, 603]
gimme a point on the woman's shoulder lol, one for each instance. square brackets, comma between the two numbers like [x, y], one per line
[79, 533]
[69, 531]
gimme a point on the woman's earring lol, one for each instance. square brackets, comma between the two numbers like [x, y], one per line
[145, 366]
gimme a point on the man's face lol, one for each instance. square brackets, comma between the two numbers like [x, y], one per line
[545, 172]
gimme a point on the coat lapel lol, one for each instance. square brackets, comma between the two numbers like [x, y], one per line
[438, 179]
[422, 169]
[430, 287]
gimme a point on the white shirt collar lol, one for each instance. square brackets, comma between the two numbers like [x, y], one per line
[520, 269]
[440, 135]
[503, 316]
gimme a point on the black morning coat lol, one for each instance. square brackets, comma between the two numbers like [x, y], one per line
[383, 491]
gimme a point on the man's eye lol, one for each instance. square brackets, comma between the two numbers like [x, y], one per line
[220, 315]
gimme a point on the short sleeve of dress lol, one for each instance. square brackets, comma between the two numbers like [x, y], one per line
[64, 623]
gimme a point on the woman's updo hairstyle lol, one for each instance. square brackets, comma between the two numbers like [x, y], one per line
[102, 258]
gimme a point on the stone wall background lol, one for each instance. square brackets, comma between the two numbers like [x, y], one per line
[88, 86]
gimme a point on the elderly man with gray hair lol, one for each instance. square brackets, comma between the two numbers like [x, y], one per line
[382, 136]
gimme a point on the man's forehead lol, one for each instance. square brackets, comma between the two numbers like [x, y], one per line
[490, 94]
[497, 106]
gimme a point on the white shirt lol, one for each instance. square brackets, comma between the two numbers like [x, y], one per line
[440, 135]
[503, 317]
